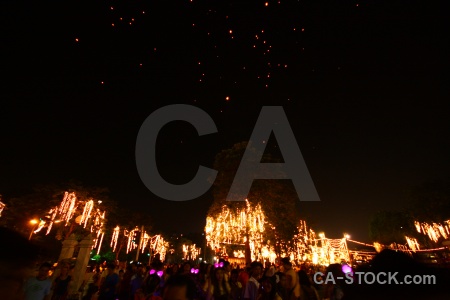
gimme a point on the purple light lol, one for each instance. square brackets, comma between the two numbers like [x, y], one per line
[216, 265]
[196, 271]
[160, 273]
[152, 272]
[221, 264]
[346, 269]
[193, 271]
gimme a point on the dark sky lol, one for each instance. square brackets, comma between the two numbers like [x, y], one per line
[365, 85]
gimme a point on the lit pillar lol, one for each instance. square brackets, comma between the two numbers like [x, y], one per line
[82, 261]
[68, 247]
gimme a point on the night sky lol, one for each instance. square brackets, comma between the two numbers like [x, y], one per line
[365, 85]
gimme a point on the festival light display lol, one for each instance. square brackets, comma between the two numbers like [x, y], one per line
[412, 243]
[190, 252]
[159, 246]
[233, 227]
[2, 206]
[136, 239]
[74, 212]
[434, 231]
[230, 227]
[115, 238]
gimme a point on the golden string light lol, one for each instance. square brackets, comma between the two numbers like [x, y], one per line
[2, 206]
[66, 209]
[234, 227]
[87, 212]
[53, 212]
[361, 243]
[39, 227]
[412, 243]
[100, 243]
[156, 243]
[144, 241]
[434, 231]
[431, 250]
[73, 211]
[190, 252]
[130, 234]
[115, 238]
[159, 246]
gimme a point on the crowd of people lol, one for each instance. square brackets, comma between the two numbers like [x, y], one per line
[187, 281]
[157, 281]
[220, 281]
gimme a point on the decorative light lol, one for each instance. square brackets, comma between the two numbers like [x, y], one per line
[115, 238]
[74, 211]
[347, 269]
[412, 243]
[2, 206]
[100, 243]
[434, 231]
[233, 227]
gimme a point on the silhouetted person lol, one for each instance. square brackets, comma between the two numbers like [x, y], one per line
[179, 287]
[17, 258]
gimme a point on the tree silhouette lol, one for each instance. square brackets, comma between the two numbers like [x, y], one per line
[37, 204]
[388, 227]
[429, 202]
